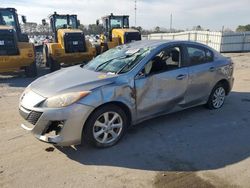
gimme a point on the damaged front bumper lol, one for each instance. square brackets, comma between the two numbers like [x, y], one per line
[61, 126]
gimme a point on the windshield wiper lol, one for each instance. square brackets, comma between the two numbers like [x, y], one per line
[83, 64]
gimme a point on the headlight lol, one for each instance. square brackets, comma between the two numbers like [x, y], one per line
[27, 90]
[64, 99]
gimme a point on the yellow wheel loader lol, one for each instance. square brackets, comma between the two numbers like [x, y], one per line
[116, 32]
[16, 52]
[69, 45]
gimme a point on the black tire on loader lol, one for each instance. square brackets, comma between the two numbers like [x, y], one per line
[46, 55]
[54, 65]
[31, 70]
[98, 49]
[105, 47]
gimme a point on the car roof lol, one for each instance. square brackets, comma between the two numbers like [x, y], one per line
[157, 43]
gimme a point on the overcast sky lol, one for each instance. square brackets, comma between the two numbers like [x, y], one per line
[212, 14]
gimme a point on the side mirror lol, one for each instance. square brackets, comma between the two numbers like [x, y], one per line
[44, 22]
[97, 22]
[24, 20]
[78, 22]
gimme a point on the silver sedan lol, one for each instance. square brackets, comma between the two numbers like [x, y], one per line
[97, 102]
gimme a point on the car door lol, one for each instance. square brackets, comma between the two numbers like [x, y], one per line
[202, 72]
[161, 89]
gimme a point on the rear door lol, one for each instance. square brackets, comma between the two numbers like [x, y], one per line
[202, 73]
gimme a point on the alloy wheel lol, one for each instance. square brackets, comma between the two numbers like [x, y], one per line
[218, 97]
[107, 127]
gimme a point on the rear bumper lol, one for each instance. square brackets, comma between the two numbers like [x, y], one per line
[70, 122]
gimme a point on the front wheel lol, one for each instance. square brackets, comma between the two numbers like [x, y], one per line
[105, 127]
[217, 97]
[31, 70]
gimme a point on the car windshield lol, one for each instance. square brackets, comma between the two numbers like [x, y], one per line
[117, 60]
[7, 18]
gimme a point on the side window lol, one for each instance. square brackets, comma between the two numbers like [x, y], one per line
[168, 59]
[209, 56]
[196, 55]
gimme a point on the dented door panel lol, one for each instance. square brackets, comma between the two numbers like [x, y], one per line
[161, 93]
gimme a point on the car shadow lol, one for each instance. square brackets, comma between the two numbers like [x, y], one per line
[190, 140]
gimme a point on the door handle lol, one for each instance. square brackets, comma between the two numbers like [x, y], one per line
[181, 77]
[212, 69]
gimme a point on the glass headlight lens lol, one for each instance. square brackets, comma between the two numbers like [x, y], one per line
[64, 99]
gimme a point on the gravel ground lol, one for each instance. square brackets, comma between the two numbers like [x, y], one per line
[193, 148]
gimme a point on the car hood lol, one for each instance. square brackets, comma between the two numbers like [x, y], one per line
[69, 80]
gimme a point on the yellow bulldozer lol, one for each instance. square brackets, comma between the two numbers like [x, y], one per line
[116, 32]
[16, 52]
[69, 45]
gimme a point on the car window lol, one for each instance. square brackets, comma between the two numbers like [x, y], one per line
[166, 60]
[199, 55]
[209, 56]
[196, 55]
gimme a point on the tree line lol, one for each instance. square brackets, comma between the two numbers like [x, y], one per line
[243, 28]
[93, 29]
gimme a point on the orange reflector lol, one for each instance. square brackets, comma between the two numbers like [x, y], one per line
[30, 55]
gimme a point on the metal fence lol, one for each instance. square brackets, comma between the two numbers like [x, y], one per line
[222, 42]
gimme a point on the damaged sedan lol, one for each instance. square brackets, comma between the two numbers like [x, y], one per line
[96, 103]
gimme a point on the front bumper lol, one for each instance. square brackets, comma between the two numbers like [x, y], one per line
[71, 119]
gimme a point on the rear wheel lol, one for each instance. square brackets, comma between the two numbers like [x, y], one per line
[54, 65]
[46, 55]
[31, 70]
[98, 49]
[105, 127]
[217, 97]
[105, 47]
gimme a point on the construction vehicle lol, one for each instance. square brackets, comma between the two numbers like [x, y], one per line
[116, 32]
[69, 45]
[16, 52]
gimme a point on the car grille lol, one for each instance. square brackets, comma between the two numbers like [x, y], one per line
[132, 36]
[34, 117]
[74, 42]
[8, 42]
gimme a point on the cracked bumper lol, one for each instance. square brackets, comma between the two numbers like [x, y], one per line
[73, 118]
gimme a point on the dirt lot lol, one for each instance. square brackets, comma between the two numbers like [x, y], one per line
[193, 148]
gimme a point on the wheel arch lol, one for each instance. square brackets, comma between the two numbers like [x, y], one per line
[226, 85]
[120, 104]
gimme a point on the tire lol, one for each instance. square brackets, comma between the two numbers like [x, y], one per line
[31, 71]
[54, 66]
[46, 56]
[98, 49]
[102, 132]
[105, 47]
[217, 97]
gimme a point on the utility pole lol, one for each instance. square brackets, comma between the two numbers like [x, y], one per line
[171, 22]
[135, 11]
